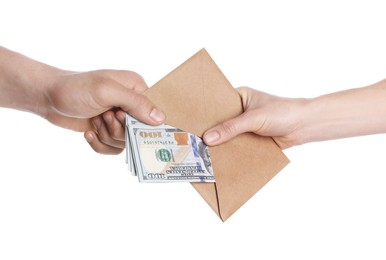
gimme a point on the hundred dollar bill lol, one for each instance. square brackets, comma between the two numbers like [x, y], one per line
[166, 154]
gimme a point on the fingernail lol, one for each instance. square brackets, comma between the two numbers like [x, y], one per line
[211, 137]
[157, 115]
[89, 137]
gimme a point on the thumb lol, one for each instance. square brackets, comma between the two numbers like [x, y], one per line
[137, 105]
[246, 122]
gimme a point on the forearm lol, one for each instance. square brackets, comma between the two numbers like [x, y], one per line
[348, 113]
[23, 82]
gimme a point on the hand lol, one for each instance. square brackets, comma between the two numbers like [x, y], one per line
[264, 115]
[94, 102]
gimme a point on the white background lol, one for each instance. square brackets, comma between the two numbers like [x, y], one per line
[60, 200]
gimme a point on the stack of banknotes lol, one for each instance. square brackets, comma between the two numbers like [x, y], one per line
[166, 154]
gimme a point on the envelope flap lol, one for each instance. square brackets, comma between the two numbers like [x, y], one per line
[197, 96]
[243, 166]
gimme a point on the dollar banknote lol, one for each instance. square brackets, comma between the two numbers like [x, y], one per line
[166, 154]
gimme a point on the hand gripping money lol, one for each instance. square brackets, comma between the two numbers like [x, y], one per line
[166, 154]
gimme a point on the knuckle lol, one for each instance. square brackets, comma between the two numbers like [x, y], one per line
[141, 101]
[137, 82]
[135, 75]
[132, 77]
[244, 91]
[229, 128]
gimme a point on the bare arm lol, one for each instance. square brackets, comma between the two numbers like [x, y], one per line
[92, 102]
[23, 82]
[354, 112]
[290, 121]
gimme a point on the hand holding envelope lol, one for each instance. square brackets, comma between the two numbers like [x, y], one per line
[195, 97]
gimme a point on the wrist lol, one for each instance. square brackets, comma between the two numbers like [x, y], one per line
[325, 117]
[43, 81]
[24, 82]
[307, 112]
[299, 114]
[40, 82]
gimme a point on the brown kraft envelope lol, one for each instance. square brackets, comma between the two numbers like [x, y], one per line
[195, 97]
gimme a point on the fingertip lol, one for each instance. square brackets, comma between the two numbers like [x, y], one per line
[140, 84]
[89, 136]
[157, 115]
[211, 137]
